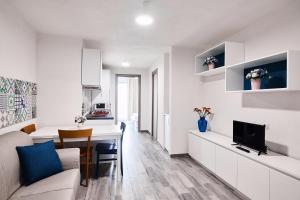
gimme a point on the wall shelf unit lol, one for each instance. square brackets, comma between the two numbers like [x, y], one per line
[228, 53]
[283, 69]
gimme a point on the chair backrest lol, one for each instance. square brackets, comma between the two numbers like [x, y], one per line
[122, 127]
[29, 129]
[84, 133]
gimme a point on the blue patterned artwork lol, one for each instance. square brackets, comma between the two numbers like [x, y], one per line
[17, 101]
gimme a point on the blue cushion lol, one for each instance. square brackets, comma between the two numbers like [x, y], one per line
[38, 161]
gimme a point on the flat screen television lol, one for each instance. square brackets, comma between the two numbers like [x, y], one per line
[249, 135]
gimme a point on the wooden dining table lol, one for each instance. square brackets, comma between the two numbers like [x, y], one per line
[100, 132]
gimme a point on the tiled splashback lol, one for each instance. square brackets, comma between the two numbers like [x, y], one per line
[86, 100]
[17, 101]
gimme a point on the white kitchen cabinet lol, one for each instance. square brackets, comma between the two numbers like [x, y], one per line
[253, 179]
[226, 165]
[283, 186]
[105, 79]
[91, 67]
[103, 96]
[105, 87]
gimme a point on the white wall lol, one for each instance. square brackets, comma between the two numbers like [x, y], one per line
[159, 66]
[59, 79]
[280, 111]
[18, 46]
[184, 95]
[17, 51]
[166, 82]
[144, 92]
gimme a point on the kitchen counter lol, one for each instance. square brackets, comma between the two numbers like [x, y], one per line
[95, 117]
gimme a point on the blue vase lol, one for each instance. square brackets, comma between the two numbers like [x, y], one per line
[202, 124]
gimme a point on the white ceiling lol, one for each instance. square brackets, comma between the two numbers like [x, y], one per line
[190, 23]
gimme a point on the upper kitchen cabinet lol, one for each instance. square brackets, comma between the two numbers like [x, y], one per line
[105, 79]
[105, 87]
[91, 67]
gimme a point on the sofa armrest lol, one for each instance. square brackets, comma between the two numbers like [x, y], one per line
[70, 158]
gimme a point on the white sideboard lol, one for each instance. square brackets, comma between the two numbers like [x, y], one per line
[265, 177]
[226, 165]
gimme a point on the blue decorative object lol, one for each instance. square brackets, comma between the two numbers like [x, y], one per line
[38, 161]
[202, 124]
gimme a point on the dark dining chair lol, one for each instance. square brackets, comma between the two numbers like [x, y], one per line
[110, 149]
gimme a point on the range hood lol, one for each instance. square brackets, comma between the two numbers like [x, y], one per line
[94, 87]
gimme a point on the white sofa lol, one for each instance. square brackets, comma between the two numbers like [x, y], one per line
[63, 185]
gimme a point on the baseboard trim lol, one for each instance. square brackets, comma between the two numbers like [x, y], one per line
[180, 155]
[145, 131]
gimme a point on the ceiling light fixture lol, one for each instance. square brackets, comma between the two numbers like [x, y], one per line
[144, 20]
[125, 64]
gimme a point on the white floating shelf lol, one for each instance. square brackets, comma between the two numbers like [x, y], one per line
[235, 75]
[260, 91]
[219, 70]
[230, 52]
[260, 61]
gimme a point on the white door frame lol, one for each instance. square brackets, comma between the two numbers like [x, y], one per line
[155, 72]
[116, 95]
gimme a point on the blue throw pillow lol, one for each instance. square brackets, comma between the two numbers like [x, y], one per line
[38, 161]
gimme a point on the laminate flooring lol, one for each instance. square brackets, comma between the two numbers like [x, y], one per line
[150, 174]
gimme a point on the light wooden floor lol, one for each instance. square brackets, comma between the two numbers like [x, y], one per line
[150, 174]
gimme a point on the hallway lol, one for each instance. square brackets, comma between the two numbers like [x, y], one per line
[149, 173]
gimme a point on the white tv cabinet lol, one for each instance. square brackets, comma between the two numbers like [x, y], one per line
[265, 177]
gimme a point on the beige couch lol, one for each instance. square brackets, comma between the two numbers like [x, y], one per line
[60, 186]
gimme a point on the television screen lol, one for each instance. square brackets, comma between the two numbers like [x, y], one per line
[249, 135]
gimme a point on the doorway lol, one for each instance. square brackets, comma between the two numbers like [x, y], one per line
[154, 104]
[128, 100]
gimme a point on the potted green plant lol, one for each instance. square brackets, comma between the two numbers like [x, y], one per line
[210, 62]
[255, 76]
